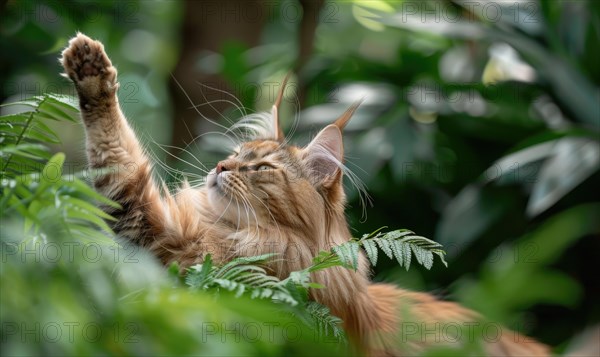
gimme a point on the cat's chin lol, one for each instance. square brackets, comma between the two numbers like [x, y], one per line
[216, 193]
[218, 199]
[229, 208]
[222, 203]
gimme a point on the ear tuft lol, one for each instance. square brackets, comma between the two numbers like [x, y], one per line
[279, 136]
[325, 154]
[345, 117]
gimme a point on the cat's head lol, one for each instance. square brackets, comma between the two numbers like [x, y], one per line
[267, 182]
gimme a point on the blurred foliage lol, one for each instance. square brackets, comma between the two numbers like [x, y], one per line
[480, 127]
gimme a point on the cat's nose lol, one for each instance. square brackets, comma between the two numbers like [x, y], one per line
[221, 168]
[224, 166]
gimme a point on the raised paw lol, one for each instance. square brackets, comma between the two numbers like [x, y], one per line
[88, 66]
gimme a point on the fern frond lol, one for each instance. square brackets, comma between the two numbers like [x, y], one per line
[21, 133]
[32, 180]
[243, 275]
[399, 244]
[370, 248]
[348, 254]
[326, 324]
[240, 276]
[199, 276]
[385, 246]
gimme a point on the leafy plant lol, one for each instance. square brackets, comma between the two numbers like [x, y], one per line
[399, 244]
[33, 184]
[24, 133]
[243, 275]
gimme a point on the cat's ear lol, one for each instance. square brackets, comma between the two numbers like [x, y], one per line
[324, 156]
[278, 133]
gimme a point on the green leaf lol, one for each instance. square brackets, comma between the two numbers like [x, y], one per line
[579, 157]
[324, 260]
[52, 172]
[66, 102]
[385, 246]
[471, 213]
[371, 250]
[198, 275]
[90, 235]
[75, 213]
[81, 204]
[406, 255]
[53, 112]
[399, 233]
[398, 251]
[348, 254]
[79, 186]
[326, 323]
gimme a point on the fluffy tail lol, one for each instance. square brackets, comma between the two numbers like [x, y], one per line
[410, 322]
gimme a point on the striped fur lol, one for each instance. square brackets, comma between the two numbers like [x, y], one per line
[266, 197]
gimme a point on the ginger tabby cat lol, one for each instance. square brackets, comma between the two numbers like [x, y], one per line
[267, 195]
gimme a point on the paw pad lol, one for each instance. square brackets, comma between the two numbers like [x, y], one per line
[88, 66]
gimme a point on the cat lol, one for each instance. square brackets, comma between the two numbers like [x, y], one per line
[267, 196]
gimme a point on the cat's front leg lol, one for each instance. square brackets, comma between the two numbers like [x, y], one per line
[110, 140]
[169, 226]
[125, 171]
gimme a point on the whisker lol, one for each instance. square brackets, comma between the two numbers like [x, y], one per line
[197, 111]
[237, 203]
[201, 169]
[209, 103]
[253, 211]
[268, 211]
[191, 135]
[223, 213]
[243, 110]
[239, 107]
